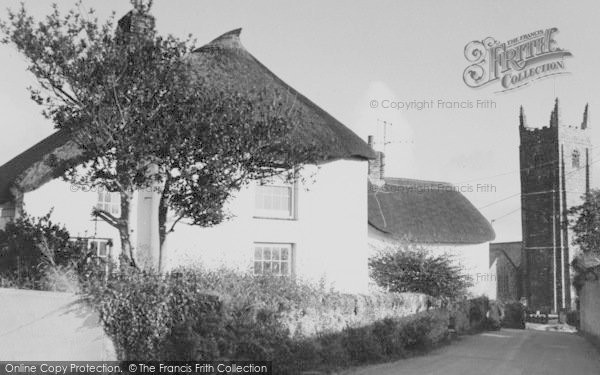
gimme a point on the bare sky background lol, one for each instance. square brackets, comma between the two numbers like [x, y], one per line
[342, 55]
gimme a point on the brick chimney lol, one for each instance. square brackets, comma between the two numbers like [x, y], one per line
[137, 21]
[376, 166]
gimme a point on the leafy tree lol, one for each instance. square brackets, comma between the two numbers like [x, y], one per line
[585, 223]
[143, 120]
[407, 269]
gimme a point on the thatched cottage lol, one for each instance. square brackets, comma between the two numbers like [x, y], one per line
[314, 230]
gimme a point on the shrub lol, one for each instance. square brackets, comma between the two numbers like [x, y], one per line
[494, 315]
[34, 250]
[475, 315]
[219, 315]
[390, 338]
[362, 345]
[478, 308]
[514, 315]
[60, 279]
[416, 270]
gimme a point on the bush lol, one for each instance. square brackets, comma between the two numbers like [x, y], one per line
[217, 315]
[478, 308]
[35, 251]
[514, 315]
[415, 270]
[475, 315]
[494, 315]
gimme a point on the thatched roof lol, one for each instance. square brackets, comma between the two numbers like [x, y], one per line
[232, 67]
[37, 165]
[426, 212]
[226, 58]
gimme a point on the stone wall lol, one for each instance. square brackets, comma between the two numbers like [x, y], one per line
[589, 304]
[348, 310]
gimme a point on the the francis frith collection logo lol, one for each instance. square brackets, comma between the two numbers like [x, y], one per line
[515, 63]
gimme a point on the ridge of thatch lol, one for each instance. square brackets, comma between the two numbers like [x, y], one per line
[239, 70]
[427, 212]
[236, 68]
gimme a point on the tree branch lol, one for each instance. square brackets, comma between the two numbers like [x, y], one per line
[123, 122]
[107, 217]
[172, 229]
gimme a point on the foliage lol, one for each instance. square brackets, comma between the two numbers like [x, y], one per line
[33, 250]
[514, 315]
[415, 270]
[142, 119]
[585, 222]
[219, 315]
[478, 308]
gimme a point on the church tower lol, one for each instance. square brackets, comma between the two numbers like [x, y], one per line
[555, 176]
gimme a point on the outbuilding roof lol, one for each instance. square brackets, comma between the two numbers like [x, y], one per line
[426, 212]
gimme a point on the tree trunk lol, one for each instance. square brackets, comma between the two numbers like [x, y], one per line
[124, 229]
[162, 227]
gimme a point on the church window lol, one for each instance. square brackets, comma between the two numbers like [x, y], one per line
[575, 159]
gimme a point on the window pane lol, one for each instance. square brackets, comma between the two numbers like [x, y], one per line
[272, 259]
[102, 249]
[257, 268]
[274, 198]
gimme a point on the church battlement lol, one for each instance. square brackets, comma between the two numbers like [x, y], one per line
[554, 122]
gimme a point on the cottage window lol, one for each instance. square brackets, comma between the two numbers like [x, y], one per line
[575, 159]
[109, 202]
[275, 199]
[100, 246]
[273, 259]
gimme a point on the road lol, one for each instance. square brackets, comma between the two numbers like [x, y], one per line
[50, 326]
[505, 352]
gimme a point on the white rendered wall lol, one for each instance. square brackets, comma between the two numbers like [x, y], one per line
[329, 234]
[72, 207]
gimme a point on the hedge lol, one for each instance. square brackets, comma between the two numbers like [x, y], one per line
[219, 315]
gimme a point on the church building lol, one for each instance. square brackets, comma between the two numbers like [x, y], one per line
[555, 176]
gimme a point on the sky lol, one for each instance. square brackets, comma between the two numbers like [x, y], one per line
[345, 55]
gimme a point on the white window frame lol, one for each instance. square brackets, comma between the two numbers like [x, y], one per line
[112, 206]
[273, 264]
[277, 182]
[98, 241]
